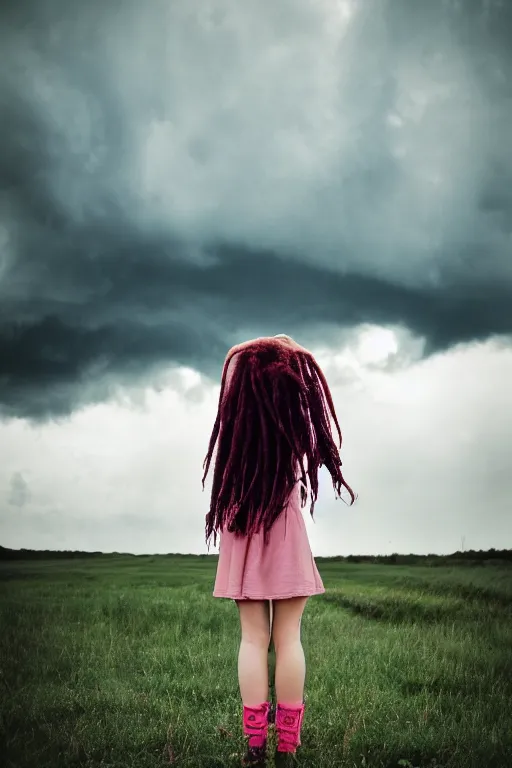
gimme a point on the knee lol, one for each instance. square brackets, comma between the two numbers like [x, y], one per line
[286, 640]
[256, 638]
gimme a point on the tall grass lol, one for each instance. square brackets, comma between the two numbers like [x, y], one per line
[124, 662]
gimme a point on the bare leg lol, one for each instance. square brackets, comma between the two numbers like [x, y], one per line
[290, 660]
[253, 653]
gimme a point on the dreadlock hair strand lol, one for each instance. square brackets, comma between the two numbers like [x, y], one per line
[274, 410]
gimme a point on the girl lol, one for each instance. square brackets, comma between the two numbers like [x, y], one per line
[273, 414]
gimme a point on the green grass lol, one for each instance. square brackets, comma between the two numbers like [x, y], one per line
[128, 662]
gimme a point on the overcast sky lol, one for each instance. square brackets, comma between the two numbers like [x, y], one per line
[178, 177]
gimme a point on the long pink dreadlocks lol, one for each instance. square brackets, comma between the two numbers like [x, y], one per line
[274, 407]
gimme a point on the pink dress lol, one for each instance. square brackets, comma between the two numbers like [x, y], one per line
[247, 570]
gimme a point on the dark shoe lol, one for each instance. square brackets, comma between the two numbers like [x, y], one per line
[255, 757]
[285, 760]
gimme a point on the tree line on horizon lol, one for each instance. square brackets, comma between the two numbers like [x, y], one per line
[470, 556]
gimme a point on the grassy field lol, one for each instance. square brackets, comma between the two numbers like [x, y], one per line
[127, 662]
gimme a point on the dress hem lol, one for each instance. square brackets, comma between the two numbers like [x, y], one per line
[306, 593]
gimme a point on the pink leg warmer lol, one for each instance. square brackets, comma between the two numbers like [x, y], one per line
[288, 725]
[256, 724]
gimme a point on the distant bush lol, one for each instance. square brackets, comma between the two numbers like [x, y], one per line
[469, 558]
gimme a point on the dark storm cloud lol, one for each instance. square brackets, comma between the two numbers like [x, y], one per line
[102, 283]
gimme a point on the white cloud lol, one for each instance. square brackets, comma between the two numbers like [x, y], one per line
[125, 478]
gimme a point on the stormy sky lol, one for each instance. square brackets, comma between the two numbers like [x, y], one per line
[176, 177]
